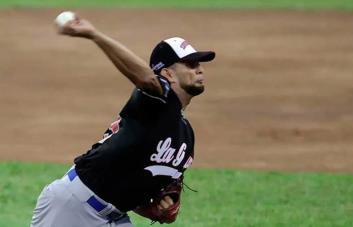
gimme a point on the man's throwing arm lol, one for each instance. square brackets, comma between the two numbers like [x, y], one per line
[127, 62]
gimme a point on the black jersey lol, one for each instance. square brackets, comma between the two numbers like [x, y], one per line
[143, 151]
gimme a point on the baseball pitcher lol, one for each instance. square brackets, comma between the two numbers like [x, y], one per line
[139, 163]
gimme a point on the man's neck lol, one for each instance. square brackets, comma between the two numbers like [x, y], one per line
[183, 96]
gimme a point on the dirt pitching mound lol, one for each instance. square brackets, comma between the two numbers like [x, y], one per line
[278, 96]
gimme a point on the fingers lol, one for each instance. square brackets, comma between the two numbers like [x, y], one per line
[165, 203]
[77, 28]
[169, 200]
[67, 29]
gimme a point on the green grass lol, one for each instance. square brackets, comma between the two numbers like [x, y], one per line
[212, 4]
[224, 197]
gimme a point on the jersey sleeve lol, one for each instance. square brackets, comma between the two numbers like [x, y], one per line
[166, 88]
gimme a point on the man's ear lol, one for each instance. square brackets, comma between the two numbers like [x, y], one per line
[167, 73]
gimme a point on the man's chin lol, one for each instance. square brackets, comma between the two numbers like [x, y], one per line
[195, 90]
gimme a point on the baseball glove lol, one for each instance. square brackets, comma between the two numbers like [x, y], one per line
[155, 212]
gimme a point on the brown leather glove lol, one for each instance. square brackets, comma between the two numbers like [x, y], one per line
[165, 207]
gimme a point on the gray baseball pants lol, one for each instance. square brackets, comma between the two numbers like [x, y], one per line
[68, 202]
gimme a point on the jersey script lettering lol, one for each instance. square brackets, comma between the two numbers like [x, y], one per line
[165, 153]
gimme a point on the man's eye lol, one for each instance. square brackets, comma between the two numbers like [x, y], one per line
[192, 65]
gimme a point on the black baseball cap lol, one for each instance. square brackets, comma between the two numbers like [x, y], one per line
[176, 49]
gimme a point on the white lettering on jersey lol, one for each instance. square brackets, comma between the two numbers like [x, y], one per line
[165, 153]
[180, 156]
[158, 170]
[188, 162]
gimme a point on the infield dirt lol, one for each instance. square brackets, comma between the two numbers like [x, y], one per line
[278, 96]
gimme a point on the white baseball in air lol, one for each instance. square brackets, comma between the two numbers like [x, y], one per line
[64, 17]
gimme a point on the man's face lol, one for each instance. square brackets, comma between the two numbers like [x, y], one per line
[189, 75]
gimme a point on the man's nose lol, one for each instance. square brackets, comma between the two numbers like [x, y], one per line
[199, 69]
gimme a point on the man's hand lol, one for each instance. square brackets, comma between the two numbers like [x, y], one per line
[78, 28]
[165, 207]
[165, 203]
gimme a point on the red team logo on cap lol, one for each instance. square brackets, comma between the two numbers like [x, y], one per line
[184, 44]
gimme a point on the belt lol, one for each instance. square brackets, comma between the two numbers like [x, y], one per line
[83, 193]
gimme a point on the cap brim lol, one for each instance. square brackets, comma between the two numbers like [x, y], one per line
[201, 56]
